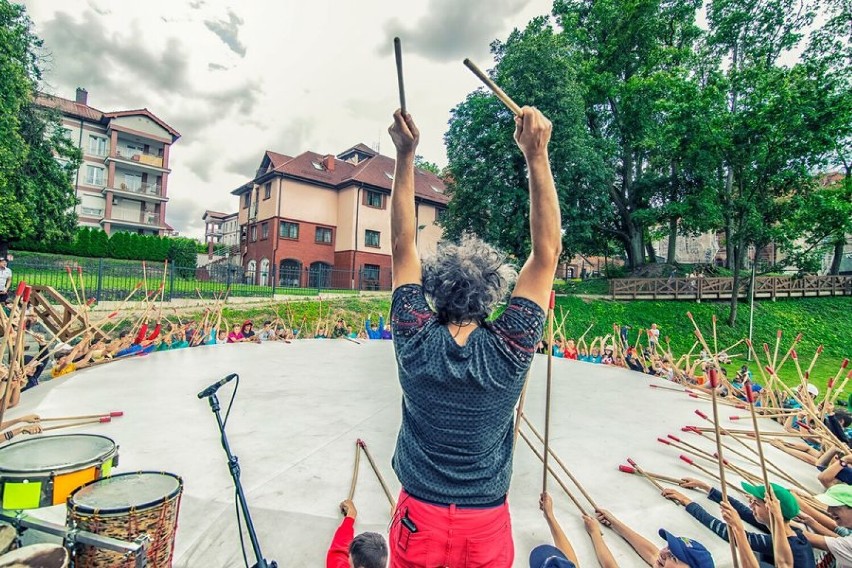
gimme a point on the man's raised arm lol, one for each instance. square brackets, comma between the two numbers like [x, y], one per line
[532, 134]
[406, 263]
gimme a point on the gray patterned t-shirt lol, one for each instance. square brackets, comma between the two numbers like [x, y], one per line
[455, 440]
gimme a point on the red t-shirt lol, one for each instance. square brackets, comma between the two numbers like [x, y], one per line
[338, 552]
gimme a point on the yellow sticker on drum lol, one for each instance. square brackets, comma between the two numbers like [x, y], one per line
[22, 495]
[106, 468]
[64, 485]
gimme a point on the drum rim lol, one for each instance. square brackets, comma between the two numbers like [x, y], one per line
[77, 508]
[101, 458]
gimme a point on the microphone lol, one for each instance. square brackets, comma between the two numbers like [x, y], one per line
[211, 390]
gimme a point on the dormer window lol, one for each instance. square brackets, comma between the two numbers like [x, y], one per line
[436, 189]
[317, 166]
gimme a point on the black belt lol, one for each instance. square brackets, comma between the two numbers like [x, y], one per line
[489, 505]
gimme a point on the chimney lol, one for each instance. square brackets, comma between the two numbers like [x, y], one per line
[328, 163]
[82, 96]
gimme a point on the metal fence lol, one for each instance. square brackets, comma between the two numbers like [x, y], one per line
[111, 280]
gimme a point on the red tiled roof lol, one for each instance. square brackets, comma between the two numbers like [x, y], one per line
[374, 171]
[73, 108]
[277, 159]
[66, 106]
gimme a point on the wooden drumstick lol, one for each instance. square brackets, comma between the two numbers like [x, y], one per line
[355, 469]
[714, 383]
[561, 464]
[397, 50]
[643, 474]
[378, 474]
[498, 92]
[657, 476]
[548, 389]
[555, 476]
[112, 414]
[101, 420]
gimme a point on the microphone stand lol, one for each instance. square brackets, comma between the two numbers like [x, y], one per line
[234, 466]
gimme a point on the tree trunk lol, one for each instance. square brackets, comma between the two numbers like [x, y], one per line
[649, 250]
[4, 248]
[736, 267]
[729, 244]
[672, 250]
[836, 260]
[634, 249]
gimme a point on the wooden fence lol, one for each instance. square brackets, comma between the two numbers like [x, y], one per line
[701, 288]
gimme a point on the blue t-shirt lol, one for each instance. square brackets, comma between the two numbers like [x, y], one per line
[455, 439]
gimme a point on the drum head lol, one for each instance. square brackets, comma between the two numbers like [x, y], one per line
[121, 493]
[36, 556]
[54, 453]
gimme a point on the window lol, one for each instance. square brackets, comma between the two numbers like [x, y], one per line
[267, 190]
[251, 268]
[371, 271]
[97, 146]
[288, 230]
[319, 275]
[264, 272]
[92, 211]
[440, 214]
[389, 175]
[290, 273]
[436, 189]
[94, 175]
[317, 166]
[374, 199]
[264, 231]
[371, 238]
[254, 233]
[323, 235]
[247, 200]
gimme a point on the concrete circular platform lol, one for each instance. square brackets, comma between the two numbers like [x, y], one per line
[300, 408]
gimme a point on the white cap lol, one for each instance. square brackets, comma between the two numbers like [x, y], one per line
[813, 390]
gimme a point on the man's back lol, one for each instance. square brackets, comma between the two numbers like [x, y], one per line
[455, 441]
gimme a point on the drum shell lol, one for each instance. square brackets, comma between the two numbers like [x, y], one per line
[45, 487]
[156, 519]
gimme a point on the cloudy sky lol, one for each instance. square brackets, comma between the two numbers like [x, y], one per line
[239, 78]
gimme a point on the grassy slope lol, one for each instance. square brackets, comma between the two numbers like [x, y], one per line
[823, 321]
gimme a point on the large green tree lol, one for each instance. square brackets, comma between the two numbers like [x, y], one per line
[487, 176]
[774, 128]
[633, 60]
[37, 161]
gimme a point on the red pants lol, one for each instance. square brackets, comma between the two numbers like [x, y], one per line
[450, 537]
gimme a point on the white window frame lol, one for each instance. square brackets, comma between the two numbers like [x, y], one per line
[94, 175]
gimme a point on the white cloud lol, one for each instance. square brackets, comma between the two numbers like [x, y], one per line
[283, 76]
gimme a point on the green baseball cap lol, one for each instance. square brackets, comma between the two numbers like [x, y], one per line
[839, 495]
[789, 505]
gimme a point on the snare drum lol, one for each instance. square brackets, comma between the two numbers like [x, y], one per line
[43, 471]
[127, 506]
[36, 556]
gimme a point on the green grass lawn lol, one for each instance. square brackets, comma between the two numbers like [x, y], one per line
[821, 321]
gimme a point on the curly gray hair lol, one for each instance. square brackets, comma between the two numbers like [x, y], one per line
[465, 281]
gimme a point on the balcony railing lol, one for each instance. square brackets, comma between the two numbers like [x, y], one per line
[140, 188]
[140, 157]
[134, 217]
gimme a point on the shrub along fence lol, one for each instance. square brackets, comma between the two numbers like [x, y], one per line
[106, 280]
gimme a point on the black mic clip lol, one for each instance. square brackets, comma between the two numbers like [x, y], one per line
[211, 390]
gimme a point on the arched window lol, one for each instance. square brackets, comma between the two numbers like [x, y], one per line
[290, 273]
[319, 275]
[251, 270]
[264, 272]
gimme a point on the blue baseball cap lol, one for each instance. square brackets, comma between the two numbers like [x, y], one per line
[689, 551]
[546, 556]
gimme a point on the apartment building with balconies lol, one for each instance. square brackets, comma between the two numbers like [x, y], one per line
[322, 220]
[122, 184]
